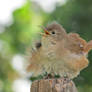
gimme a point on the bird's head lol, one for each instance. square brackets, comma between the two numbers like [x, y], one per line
[54, 32]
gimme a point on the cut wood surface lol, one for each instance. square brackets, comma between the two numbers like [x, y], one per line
[53, 85]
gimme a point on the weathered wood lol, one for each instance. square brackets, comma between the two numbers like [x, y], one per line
[53, 85]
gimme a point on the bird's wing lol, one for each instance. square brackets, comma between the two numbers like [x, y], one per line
[88, 46]
[75, 37]
[34, 57]
[34, 48]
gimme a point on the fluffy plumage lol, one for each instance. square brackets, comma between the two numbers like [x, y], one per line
[60, 53]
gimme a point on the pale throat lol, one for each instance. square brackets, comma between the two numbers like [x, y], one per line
[48, 42]
[49, 47]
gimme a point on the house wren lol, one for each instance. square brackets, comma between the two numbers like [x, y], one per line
[59, 53]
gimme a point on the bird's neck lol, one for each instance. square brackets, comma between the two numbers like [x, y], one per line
[48, 42]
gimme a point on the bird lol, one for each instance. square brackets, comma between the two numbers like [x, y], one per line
[59, 53]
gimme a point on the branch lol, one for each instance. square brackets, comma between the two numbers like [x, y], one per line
[53, 85]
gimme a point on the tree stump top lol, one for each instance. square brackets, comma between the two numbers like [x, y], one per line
[53, 85]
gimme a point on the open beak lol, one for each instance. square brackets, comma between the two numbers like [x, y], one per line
[45, 31]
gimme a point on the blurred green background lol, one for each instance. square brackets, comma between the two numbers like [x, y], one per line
[74, 15]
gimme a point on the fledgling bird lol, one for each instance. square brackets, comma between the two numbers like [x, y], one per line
[59, 53]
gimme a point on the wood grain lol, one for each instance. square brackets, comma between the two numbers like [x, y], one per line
[53, 85]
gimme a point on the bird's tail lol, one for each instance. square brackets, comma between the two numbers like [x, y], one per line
[88, 47]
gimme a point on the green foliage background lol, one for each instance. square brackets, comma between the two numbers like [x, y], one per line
[75, 16]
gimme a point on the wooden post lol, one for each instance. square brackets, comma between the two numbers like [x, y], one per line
[53, 85]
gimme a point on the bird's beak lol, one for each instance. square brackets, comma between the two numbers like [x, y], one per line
[45, 31]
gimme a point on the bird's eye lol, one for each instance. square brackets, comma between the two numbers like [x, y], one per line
[53, 32]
